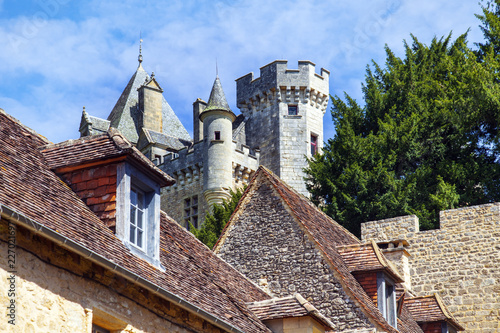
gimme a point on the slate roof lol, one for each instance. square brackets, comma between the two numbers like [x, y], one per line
[97, 125]
[217, 99]
[367, 257]
[125, 112]
[106, 146]
[164, 140]
[286, 307]
[328, 235]
[430, 309]
[29, 188]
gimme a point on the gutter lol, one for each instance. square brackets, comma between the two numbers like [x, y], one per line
[99, 259]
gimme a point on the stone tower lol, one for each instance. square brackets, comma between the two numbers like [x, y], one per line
[217, 120]
[284, 111]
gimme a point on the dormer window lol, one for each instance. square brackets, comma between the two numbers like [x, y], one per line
[386, 298]
[138, 213]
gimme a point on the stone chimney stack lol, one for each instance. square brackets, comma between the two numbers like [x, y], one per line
[395, 251]
[150, 104]
[198, 106]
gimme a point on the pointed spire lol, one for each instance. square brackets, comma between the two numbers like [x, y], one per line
[217, 100]
[140, 50]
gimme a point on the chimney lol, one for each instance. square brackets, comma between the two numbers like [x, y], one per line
[150, 104]
[396, 252]
[198, 106]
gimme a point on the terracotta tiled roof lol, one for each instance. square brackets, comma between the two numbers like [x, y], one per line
[430, 308]
[29, 188]
[367, 257]
[327, 234]
[96, 148]
[286, 307]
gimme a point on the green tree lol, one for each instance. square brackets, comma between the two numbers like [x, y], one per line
[210, 230]
[426, 139]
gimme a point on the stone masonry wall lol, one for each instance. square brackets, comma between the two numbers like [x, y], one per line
[58, 291]
[172, 197]
[268, 246]
[460, 261]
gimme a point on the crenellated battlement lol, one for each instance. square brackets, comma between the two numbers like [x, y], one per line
[277, 83]
[186, 167]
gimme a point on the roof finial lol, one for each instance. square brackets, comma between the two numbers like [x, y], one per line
[140, 49]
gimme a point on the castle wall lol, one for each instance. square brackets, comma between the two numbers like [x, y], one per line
[268, 247]
[460, 261]
[59, 291]
[186, 168]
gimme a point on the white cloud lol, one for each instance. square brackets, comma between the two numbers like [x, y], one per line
[86, 57]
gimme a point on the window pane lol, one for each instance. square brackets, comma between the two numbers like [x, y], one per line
[133, 197]
[139, 219]
[139, 238]
[195, 200]
[187, 203]
[391, 311]
[292, 110]
[132, 234]
[132, 215]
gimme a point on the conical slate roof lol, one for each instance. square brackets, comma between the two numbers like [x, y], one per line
[125, 115]
[217, 100]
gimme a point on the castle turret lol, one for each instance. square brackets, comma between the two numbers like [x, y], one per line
[217, 120]
[284, 109]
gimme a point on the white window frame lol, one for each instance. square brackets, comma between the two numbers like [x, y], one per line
[130, 178]
[387, 300]
[137, 222]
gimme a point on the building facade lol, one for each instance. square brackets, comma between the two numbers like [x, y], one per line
[460, 261]
[280, 125]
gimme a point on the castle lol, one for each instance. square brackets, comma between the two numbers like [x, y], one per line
[281, 123]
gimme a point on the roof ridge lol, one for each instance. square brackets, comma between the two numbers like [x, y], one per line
[306, 200]
[24, 127]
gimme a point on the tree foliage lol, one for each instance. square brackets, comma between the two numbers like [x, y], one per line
[210, 230]
[425, 140]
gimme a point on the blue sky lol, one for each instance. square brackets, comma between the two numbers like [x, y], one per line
[60, 55]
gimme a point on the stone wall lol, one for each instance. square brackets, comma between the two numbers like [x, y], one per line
[59, 291]
[460, 261]
[173, 197]
[268, 246]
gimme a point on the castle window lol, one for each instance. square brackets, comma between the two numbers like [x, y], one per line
[292, 110]
[386, 298]
[191, 211]
[217, 135]
[314, 144]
